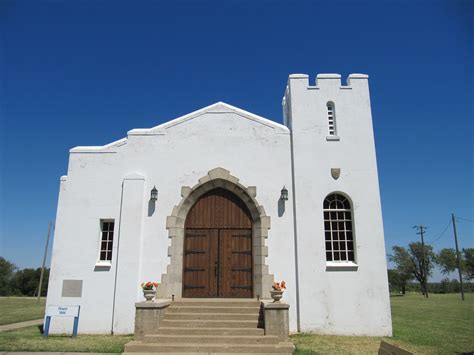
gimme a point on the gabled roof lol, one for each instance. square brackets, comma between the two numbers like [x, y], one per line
[218, 107]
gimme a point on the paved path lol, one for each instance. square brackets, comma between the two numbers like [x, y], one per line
[19, 325]
[50, 353]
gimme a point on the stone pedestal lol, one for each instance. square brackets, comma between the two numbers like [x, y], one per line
[275, 315]
[148, 316]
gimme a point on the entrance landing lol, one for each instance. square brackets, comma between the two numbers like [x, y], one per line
[211, 325]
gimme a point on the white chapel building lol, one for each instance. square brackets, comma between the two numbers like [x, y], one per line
[242, 201]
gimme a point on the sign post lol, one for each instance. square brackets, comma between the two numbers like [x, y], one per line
[62, 311]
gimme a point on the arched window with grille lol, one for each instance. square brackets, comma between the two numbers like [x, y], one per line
[331, 118]
[338, 228]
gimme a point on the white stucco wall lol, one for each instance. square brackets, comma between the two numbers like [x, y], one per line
[114, 182]
[337, 301]
[170, 156]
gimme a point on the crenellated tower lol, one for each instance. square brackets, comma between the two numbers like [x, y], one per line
[338, 230]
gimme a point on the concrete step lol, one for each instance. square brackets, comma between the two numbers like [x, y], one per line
[209, 323]
[210, 331]
[206, 316]
[206, 353]
[206, 302]
[210, 339]
[214, 309]
[279, 348]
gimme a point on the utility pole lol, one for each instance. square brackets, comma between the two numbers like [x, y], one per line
[44, 262]
[458, 258]
[423, 261]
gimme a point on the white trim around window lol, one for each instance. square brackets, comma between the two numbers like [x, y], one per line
[106, 240]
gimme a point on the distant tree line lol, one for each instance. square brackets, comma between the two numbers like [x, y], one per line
[409, 267]
[16, 282]
[445, 286]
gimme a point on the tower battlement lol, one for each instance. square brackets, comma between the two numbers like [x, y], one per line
[325, 87]
[330, 80]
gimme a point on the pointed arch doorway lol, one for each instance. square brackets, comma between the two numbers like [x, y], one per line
[218, 258]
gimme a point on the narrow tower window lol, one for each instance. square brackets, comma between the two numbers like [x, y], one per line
[331, 118]
[338, 229]
[107, 238]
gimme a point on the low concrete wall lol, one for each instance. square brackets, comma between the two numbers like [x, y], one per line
[148, 316]
[275, 315]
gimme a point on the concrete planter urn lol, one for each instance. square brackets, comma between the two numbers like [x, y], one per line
[276, 295]
[277, 292]
[149, 290]
[149, 295]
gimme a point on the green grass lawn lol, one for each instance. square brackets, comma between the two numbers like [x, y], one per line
[442, 324]
[19, 309]
[30, 339]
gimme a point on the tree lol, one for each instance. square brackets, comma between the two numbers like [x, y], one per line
[26, 281]
[468, 256]
[448, 286]
[410, 262]
[447, 261]
[7, 270]
[398, 280]
[403, 263]
[417, 254]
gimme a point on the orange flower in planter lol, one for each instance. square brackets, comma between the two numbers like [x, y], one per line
[277, 286]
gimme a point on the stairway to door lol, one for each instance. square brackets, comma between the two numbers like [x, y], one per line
[211, 326]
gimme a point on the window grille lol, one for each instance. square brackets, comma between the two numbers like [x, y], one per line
[338, 229]
[107, 237]
[331, 119]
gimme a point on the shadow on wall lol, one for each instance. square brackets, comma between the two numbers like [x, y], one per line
[151, 208]
[281, 207]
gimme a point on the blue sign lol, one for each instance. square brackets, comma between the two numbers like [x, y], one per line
[61, 311]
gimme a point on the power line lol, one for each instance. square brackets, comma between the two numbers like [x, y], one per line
[465, 219]
[441, 235]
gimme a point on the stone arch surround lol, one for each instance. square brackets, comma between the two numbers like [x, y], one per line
[172, 281]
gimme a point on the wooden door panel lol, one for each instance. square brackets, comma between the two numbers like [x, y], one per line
[200, 253]
[235, 263]
[225, 263]
[217, 259]
[219, 208]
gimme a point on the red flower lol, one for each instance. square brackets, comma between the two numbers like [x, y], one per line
[149, 285]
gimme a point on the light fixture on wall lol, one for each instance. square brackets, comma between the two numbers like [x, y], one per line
[284, 194]
[154, 194]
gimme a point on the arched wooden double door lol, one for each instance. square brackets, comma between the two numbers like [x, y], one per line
[218, 258]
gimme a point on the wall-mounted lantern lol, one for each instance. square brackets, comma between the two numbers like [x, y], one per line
[154, 194]
[284, 194]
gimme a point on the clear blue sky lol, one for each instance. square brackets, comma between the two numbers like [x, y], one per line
[85, 72]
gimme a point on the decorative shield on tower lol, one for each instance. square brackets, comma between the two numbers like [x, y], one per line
[335, 173]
